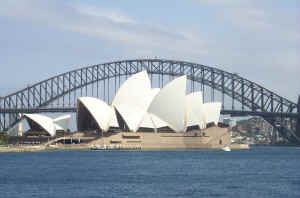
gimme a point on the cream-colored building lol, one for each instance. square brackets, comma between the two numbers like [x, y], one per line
[137, 106]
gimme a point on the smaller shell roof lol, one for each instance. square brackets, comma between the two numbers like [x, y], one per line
[101, 112]
[131, 114]
[149, 120]
[212, 112]
[62, 122]
[152, 121]
[194, 114]
[63, 117]
[44, 122]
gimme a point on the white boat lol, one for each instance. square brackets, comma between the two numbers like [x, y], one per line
[226, 148]
[96, 147]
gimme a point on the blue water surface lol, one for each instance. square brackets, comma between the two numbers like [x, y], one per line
[258, 172]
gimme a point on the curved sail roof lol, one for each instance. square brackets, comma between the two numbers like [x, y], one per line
[131, 114]
[194, 114]
[152, 93]
[212, 112]
[62, 122]
[169, 104]
[150, 120]
[132, 98]
[134, 91]
[101, 112]
[43, 121]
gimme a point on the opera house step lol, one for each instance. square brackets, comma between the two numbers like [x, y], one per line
[210, 138]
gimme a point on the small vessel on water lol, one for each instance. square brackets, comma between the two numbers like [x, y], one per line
[96, 147]
[226, 148]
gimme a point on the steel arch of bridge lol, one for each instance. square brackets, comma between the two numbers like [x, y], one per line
[254, 99]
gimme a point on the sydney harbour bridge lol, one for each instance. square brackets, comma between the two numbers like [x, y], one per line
[240, 97]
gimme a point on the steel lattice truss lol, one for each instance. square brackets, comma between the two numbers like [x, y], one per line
[254, 99]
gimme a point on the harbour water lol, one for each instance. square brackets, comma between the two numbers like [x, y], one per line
[258, 172]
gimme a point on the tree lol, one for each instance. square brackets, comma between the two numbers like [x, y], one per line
[3, 138]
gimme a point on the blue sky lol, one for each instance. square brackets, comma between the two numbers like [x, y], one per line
[258, 39]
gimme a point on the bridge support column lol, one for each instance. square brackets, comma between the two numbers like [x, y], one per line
[274, 136]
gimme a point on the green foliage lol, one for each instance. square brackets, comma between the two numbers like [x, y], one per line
[3, 138]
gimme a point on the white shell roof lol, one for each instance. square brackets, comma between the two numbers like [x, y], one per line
[59, 127]
[212, 112]
[152, 121]
[45, 122]
[62, 122]
[134, 91]
[63, 117]
[169, 104]
[132, 99]
[101, 112]
[147, 121]
[131, 114]
[194, 110]
[152, 93]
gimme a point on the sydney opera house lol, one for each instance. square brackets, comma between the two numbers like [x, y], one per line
[136, 107]
[154, 118]
[145, 117]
